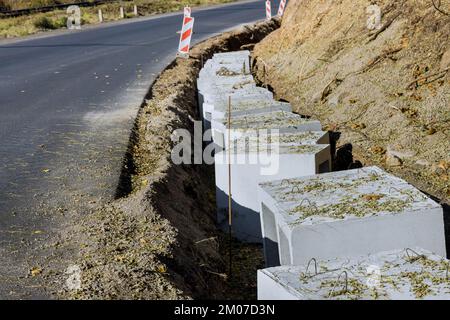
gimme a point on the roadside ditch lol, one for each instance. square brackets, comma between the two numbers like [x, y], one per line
[159, 239]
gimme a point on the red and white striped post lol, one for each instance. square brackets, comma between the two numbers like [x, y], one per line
[281, 8]
[268, 10]
[187, 11]
[186, 35]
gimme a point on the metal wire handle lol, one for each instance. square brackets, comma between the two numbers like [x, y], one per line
[311, 204]
[365, 171]
[306, 199]
[408, 195]
[346, 280]
[446, 272]
[315, 266]
[345, 290]
[418, 256]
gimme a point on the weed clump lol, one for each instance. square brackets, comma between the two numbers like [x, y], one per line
[44, 23]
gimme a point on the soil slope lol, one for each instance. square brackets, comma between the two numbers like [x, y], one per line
[384, 93]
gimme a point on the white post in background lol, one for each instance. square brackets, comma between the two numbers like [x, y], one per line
[135, 10]
[100, 16]
[122, 13]
[268, 10]
[281, 8]
[187, 11]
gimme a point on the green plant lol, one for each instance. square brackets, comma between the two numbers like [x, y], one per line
[60, 22]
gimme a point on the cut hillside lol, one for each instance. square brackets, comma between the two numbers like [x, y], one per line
[384, 93]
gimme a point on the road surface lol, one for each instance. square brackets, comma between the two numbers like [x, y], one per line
[67, 103]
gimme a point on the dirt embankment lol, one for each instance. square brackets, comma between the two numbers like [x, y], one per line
[384, 93]
[160, 241]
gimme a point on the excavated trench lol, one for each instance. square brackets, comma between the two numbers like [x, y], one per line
[158, 239]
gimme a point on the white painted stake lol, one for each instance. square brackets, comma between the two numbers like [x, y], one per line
[100, 16]
[281, 8]
[135, 10]
[122, 13]
[185, 37]
[268, 10]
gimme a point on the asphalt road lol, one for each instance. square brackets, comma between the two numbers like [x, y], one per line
[67, 103]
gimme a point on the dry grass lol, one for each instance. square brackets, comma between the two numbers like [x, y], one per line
[30, 24]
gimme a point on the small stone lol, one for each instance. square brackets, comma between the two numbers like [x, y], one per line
[393, 161]
[444, 165]
[422, 162]
[431, 131]
[35, 271]
[440, 168]
[162, 268]
[358, 126]
[445, 61]
[400, 154]
[377, 150]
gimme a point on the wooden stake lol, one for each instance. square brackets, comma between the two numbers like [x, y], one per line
[264, 71]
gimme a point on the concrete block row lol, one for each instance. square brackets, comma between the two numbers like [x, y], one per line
[335, 217]
[297, 145]
[277, 164]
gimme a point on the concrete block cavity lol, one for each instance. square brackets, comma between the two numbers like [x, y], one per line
[210, 84]
[240, 98]
[220, 101]
[242, 107]
[249, 124]
[262, 107]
